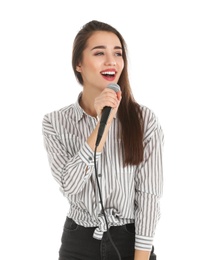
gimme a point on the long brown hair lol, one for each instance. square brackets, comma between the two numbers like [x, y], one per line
[129, 111]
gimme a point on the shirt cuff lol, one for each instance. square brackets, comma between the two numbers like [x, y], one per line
[143, 243]
[87, 155]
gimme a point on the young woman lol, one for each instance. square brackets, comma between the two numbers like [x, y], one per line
[113, 188]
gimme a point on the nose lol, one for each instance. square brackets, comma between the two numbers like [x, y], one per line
[110, 63]
[110, 60]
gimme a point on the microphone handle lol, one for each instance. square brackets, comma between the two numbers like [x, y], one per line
[104, 118]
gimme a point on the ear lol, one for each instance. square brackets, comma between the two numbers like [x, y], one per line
[78, 68]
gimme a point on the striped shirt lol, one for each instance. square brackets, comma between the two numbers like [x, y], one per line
[129, 194]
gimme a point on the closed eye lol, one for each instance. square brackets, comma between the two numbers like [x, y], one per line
[99, 53]
[102, 53]
[118, 54]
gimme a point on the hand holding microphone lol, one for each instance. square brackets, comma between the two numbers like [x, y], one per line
[107, 104]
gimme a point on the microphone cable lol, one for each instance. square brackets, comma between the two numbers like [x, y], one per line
[103, 211]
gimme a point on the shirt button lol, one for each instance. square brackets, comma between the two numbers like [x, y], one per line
[90, 159]
[99, 175]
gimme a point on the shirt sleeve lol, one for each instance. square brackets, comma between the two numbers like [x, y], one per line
[71, 171]
[149, 185]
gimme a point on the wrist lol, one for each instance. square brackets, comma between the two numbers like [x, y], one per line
[141, 255]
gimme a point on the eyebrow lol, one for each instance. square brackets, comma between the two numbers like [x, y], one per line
[104, 47]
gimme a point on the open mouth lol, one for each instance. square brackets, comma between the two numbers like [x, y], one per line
[108, 74]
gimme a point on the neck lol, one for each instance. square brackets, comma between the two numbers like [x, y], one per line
[87, 103]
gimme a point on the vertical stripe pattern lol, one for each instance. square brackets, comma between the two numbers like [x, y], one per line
[130, 194]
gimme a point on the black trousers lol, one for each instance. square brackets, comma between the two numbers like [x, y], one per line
[78, 243]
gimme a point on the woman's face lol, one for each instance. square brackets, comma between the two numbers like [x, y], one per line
[102, 61]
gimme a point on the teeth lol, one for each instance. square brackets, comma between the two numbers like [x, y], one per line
[108, 73]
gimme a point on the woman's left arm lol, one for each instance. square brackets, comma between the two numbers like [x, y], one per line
[141, 255]
[148, 186]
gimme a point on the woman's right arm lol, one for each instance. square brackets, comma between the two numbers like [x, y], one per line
[70, 169]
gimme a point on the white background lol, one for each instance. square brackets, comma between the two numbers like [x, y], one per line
[163, 39]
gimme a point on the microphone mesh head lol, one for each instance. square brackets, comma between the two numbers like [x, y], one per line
[114, 87]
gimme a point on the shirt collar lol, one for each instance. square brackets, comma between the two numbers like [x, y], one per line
[78, 109]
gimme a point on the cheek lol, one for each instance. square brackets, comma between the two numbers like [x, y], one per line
[121, 66]
[89, 66]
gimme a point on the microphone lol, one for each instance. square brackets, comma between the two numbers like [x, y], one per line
[105, 114]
